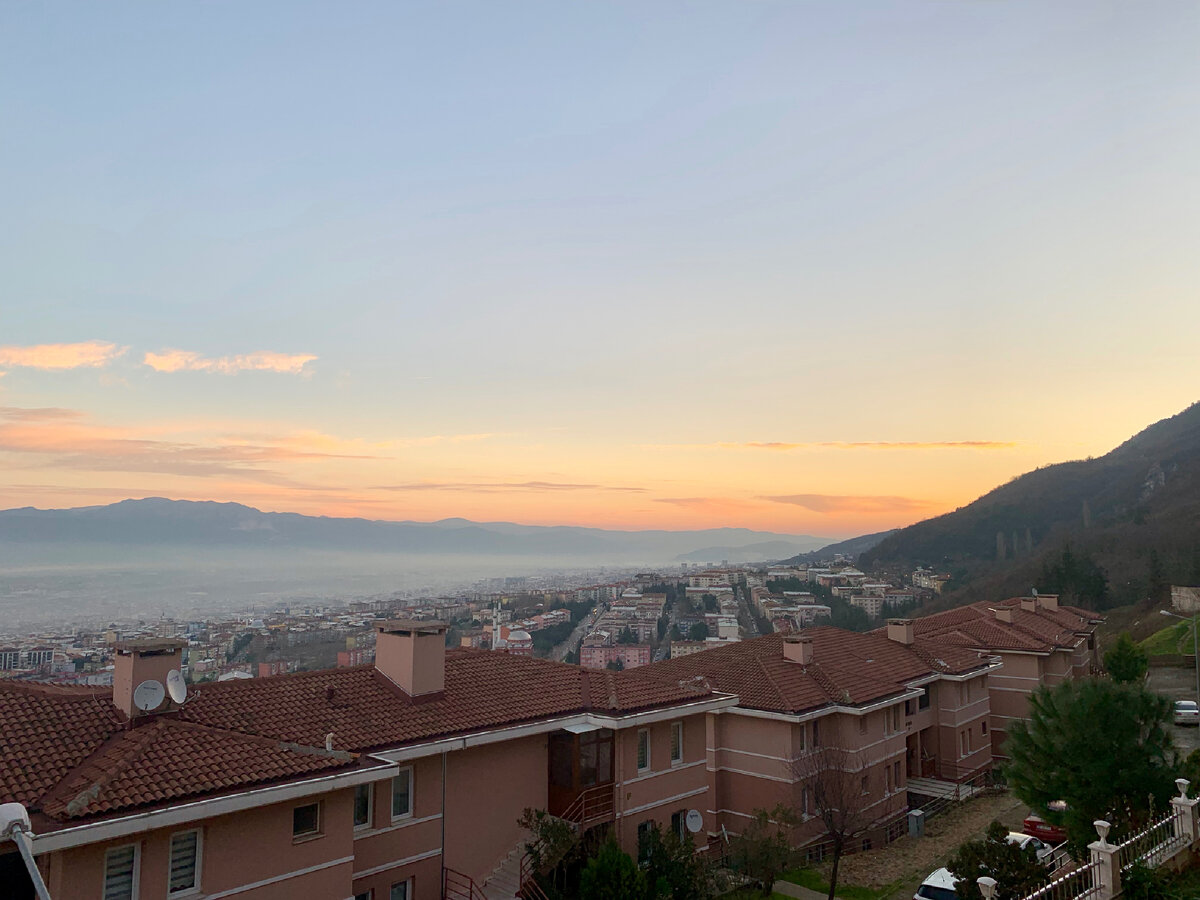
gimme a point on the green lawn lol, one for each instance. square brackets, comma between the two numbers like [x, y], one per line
[1175, 638]
[814, 882]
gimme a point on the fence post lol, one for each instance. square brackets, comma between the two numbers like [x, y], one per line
[1108, 868]
[1186, 824]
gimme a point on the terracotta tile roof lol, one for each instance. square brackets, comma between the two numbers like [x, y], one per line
[847, 668]
[366, 711]
[166, 760]
[977, 626]
[47, 731]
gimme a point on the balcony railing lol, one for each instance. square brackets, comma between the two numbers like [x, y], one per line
[593, 806]
[457, 886]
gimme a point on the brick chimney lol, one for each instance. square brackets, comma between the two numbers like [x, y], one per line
[1004, 614]
[412, 654]
[900, 631]
[798, 648]
[1029, 604]
[1048, 601]
[140, 660]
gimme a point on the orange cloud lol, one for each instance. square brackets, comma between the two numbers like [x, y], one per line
[875, 445]
[82, 355]
[260, 361]
[853, 504]
[65, 440]
[485, 487]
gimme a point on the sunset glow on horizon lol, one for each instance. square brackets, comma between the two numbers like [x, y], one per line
[818, 269]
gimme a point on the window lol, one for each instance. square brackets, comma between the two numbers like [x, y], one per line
[121, 873]
[964, 743]
[362, 806]
[865, 785]
[887, 780]
[643, 750]
[401, 890]
[896, 774]
[801, 733]
[365, 895]
[402, 796]
[184, 872]
[805, 801]
[306, 820]
[676, 742]
[908, 707]
[923, 700]
[895, 718]
[643, 838]
[595, 757]
[679, 823]
[816, 739]
[862, 724]
[983, 727]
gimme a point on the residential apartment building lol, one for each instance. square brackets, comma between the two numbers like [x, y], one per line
[893, 704]
[1039, 641]
[362, 782]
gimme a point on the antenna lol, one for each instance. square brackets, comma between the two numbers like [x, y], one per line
[149, 695]
[176, 686]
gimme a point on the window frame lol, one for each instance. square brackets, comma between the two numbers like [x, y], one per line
[408, 814]
[308, 835]
[677, 742]
[370, 786]
[407, 884]
[368, 894]
[197, 864]
[643, 734]
[136, 870]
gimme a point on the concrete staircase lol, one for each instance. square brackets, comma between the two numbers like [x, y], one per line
[504, 882]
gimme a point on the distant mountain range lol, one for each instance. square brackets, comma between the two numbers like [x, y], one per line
[157, 521]
[1134, 513]
[851, 548]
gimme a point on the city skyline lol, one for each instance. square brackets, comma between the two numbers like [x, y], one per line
[808, 269]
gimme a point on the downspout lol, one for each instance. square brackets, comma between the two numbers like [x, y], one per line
[443, 822]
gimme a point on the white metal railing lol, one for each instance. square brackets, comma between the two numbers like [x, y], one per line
[1154, 844]
[1074, 885]
[1059, 860]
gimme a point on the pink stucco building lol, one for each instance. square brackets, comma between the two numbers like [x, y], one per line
[406, 778]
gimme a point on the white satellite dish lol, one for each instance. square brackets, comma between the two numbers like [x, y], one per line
[148, 695]
[176, 686]
[694, 821]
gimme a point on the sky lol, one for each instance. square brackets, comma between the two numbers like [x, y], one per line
[808, 267]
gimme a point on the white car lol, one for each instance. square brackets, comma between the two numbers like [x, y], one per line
[1187, 712]
[938, 886]
[1042, 849]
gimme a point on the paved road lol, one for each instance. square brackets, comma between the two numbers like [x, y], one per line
[1178, 684]
[579, 631]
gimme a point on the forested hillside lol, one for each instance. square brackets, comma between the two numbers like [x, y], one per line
[1107, 531]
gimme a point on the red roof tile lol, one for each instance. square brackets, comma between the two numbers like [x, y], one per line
[365, 711]
[166, 760]
[847, 668]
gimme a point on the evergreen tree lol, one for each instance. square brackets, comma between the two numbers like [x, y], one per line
[1126, 662]
[1103, 748]
[611, 875]
[1017, 870]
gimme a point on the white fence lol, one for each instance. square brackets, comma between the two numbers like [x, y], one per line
[1100, 877]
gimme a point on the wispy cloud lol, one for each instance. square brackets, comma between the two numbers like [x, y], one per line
[876, 445]
[492, 487]
[260, 361]
[65, 439]
[784, 446]
[82, 355]
[850, 503]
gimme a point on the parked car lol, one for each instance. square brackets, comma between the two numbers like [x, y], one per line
[1044, 831]
[938, 886]
[1040, 847]
[1187, 712]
